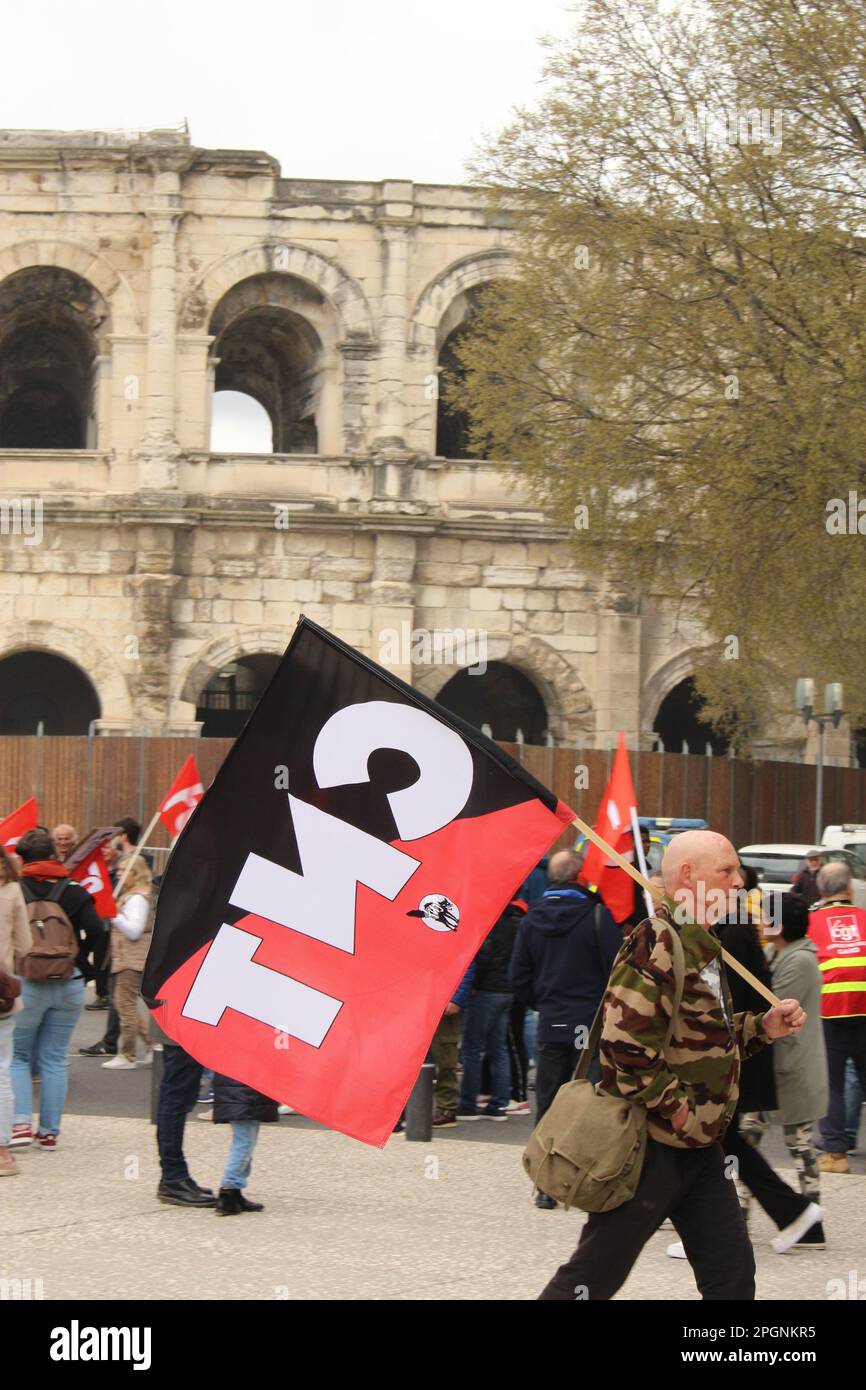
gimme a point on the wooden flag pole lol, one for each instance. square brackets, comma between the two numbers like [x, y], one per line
[138, 848]
[659, 895]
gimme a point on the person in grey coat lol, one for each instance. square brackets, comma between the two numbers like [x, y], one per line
[800, 1059]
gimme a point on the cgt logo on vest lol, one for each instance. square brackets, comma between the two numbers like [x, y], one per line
[844, 930]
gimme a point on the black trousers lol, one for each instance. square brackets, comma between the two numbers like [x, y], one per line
[844, 1038]
[781, 1203]
[690, 1187]
[556, 1064]
[517, 1054]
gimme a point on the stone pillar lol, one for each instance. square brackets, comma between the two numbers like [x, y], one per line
[392, 599]
[395, 221]
[151, 588]
[159, 450]
[618, 665]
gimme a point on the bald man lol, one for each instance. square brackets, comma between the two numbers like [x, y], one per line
[689, 1089]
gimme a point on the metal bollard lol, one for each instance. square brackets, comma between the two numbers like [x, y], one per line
[157, 1069]
[419, 1106]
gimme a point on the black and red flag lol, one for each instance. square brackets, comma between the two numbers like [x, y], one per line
[321, 906]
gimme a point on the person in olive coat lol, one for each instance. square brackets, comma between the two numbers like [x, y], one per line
[245, 1110]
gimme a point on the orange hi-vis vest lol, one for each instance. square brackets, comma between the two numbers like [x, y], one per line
[838, 929]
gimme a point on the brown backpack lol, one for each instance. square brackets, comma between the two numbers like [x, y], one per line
[55, 947]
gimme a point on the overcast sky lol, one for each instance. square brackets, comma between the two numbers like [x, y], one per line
[342, 89]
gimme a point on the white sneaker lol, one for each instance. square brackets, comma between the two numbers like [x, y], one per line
[518, 1107]
[286, 1110]
[119, 1063]
[147, 1059]
[677, 1251]
[791, 1234]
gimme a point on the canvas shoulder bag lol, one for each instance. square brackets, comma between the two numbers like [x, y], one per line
[587, 1151]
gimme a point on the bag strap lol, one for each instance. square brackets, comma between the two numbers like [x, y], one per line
[679, 968]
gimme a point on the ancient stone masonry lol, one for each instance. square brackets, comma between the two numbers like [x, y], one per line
[140, 277]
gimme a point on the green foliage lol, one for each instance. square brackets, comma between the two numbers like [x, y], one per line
[683, 349]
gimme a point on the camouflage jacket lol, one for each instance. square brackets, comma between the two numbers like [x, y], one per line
[702, 1062]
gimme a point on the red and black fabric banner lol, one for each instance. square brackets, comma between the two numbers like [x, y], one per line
[323, 903]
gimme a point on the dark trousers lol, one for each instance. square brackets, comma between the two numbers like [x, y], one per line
[517, 1054]
[112, 1024]
[781, 1203]
[844, 1038]
[556, 1065]
[178, 1093]
[102, 964]
[690, 1187]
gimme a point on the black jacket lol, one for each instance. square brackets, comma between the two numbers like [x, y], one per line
[565, 948]
[232, 1100]
[757, 1080]
[494, 957]
[79, 908]
[805, 885]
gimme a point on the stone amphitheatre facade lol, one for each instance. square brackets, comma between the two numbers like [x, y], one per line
[139, 277]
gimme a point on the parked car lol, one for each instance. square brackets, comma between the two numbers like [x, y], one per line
[778, 865]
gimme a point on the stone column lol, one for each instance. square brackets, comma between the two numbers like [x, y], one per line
[151, 588]
[392, 599]
[159, 450]
[395, 222]
[618, 664]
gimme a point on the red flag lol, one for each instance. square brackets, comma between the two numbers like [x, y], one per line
[92, 873]
[17, 823]
[182, 797]
[323, 903]
[614, 825]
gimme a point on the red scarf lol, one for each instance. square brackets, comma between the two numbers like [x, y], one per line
[44, 868]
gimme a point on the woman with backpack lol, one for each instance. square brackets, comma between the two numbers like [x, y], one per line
[64, 924]
[15, 940]
[131, 935]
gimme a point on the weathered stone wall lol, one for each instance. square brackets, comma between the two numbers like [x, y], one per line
[160, 561]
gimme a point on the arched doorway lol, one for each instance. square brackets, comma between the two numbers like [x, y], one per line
[503, 698]
[40, 688]
[267, 349]
[452, 423]
[51, 321]
[679, 720]
[232, 694]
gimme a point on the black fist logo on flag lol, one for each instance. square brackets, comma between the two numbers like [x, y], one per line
[307, 941]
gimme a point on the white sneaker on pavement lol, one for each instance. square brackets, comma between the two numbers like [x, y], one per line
[789, 1235]
[119, 1063]
[677, 1251]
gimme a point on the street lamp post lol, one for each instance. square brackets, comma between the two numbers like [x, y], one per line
[804, 699]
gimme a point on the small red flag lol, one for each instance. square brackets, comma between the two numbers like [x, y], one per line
[92, 873]
[17, 823]
[614, 824]
[182, 797]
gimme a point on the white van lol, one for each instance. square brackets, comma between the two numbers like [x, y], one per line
[850, 836]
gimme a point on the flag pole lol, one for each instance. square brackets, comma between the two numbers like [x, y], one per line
[638, 849]
[137, 851]
[659, 895]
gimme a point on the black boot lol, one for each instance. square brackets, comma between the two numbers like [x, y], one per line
[229, 1202]
[250, 1206]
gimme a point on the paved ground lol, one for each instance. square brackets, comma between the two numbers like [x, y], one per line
[452, 1219]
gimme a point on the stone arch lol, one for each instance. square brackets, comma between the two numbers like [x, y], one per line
[278, 257]
[81, 649]
[569, 706]
[222, 650]
[663, 680]
[81, 260]
[434, 302]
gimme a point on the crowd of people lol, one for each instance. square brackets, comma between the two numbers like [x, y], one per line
[517, 1023]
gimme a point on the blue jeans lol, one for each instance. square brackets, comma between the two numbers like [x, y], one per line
[240, 1159]
[485, 1029]
[7, 1028]
[853, 1102]
[42, 1033]
[178, 1092]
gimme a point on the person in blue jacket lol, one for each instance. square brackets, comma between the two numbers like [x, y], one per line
[562, 958]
